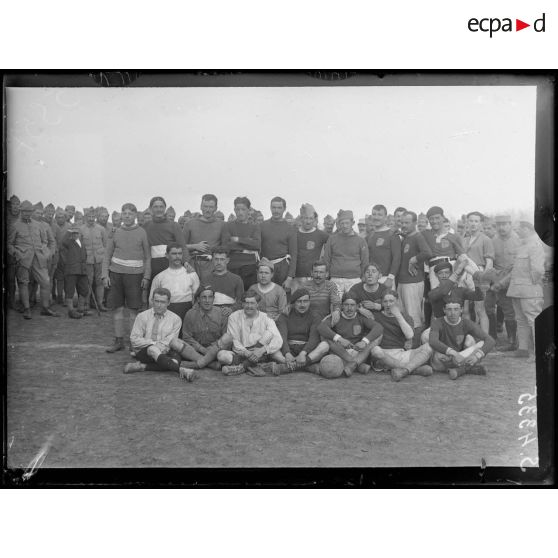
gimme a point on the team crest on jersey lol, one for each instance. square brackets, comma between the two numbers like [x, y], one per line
[460, 339]
[380, 241]
[357, 330]
[407, 248]
[445, 243]
[310, 245]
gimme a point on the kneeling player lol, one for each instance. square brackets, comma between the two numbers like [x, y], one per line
[301, 348]
[352, 337]
[151, 336]
[255, 340]
[458, 343]
[394, 352]
[204, 332]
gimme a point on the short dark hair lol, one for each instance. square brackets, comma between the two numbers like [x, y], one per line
[477, 213]
[155, 199]
[129, 206]
[243, 200]
[390, 292]
[203, 288]
[250, 293]
[379, 207]
[319, 263]
[412, 214]
[278, 199]
[375, 265]
[162, 292]
[174, 245]
[399, 210]
[220, 250]
[209, 197]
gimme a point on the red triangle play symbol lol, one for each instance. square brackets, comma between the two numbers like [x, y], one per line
[519, 25]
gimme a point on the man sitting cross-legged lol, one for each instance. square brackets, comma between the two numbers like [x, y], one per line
[301, 348]
[352, 337]
[394, 351]
[255, 339]
[204, 332]
[458, 343]
[153, 331]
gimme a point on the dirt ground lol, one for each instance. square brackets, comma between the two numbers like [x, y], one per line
[65, 389]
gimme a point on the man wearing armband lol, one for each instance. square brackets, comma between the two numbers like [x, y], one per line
[459, 344]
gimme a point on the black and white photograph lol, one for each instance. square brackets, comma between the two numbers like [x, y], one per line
[307, 270]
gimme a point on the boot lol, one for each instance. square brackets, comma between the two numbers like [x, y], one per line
[118, 345]
[83, 307]
[511, 330]
[72, 313]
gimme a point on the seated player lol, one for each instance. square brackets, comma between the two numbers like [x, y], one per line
[448, 280]
[459, 344]
[228, 286]
[176, 278]
[273, 297]
[369, 293]
[352, 337]
[255, 339]
[324, 296]
[204, 333]
[394, 351]
[153, 331]
[73, 264]
[302, 347]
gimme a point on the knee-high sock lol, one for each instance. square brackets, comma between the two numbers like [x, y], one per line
[119, 322]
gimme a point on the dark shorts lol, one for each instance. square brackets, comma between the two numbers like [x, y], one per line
[180, 308]
[142, 355]
[125, 290]
[73, 282]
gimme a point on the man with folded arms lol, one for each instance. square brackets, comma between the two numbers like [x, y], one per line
[243, 241]
[352, 337]
[346, 253]
[394, 351]
[151, 336]
[227, 285]
[255, 339]
[302, 347]
[324, 296]
[459, 344]
[204, 333]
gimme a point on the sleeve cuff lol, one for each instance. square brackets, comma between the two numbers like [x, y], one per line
[336, 337]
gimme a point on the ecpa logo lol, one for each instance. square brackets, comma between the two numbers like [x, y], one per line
[492, 25]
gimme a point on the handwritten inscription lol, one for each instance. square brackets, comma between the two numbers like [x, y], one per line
[528, 428]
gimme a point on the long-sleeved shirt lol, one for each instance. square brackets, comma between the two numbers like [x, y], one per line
[446, 245]
[27, 239]
[505, 250]
[479, 248]
[309, 249]
[142, 331]
[346, 255]
[413, 246]
[359, 294]
[446, 288]
[393, 336]
[95, 239]
[73, 256]
[228, 288]
[197, 230]
[444, 336]
[249, 241]
[181, 284]
[272, 302]
[160, 233]
[201, 328]
[384, 248]
[278, 240]
[528, 270]
[128, 252]
[351, 329]
[302, 328]
[247, 332]
[324, 298]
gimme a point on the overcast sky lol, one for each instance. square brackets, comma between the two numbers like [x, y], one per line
[464, 148]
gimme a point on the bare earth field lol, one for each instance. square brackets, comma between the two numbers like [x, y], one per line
[62, 386]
